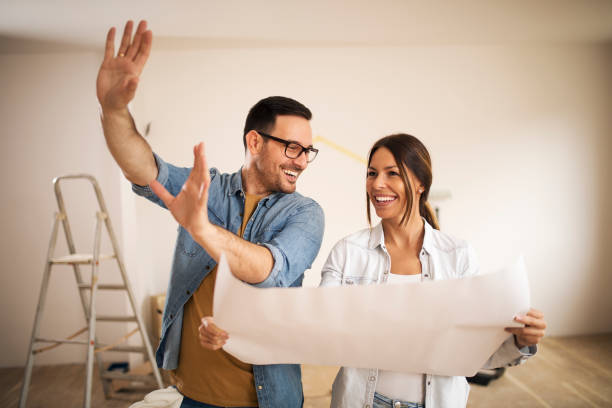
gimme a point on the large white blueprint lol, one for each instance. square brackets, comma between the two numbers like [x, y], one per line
[448, 327]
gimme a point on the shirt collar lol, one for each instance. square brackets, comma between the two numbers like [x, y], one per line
[377, 237]
[428, 238]
[236, 183]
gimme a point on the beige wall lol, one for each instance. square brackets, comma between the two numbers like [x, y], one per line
[521, 136]
[50, 127]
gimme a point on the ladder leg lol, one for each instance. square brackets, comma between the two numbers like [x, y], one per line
[106, 384]
[84, 303]
[92, 314]
[38, 317]
[141, 327]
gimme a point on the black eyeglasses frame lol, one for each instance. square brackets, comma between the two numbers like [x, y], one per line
[311, 152]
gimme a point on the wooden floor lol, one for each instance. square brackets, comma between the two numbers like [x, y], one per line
[567, 372]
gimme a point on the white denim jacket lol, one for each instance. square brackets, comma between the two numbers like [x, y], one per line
[362, 258]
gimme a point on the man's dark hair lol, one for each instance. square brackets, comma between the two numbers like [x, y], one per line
[262, 115]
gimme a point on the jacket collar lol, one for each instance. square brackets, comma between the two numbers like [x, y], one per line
[377, 237]
[236, 183]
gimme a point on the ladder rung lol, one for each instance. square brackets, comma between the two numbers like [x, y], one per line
[116, 318]
[125, 348]
[79, 259]
[121, 348]
[103, 286]
[110, 375]
[61, 341]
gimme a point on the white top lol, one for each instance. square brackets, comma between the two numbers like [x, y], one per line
[401, 386]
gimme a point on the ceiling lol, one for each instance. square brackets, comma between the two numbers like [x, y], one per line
[34, 25]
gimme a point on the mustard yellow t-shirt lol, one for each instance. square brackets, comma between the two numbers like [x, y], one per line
[213, 377]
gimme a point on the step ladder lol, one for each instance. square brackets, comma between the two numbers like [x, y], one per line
[88, 302]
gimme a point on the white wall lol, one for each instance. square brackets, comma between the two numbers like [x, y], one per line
[50, 127]
[520, 135]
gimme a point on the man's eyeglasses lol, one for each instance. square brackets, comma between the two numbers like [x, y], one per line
[293, 150]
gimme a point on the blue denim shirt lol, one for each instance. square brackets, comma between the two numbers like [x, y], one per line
[289, 225]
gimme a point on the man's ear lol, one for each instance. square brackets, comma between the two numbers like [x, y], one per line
[254, 142]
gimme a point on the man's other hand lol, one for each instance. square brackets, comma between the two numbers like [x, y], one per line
[189, 207]
[211, 336]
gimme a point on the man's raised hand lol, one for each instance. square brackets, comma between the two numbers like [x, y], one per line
[119, 74]
[189, 207]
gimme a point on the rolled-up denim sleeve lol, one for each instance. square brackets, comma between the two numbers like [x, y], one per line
[169, 176]
[295, 247]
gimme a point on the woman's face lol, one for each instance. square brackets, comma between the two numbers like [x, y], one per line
[385, 186]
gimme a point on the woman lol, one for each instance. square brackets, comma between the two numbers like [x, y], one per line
[407, 246]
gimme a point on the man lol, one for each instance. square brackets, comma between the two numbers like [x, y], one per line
[269, 233]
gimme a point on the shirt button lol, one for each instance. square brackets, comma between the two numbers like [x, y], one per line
[397, 404]
[207, 267]
[171, 316]
[372, 378]
[428, 382]
[188, 293]
[259, 387]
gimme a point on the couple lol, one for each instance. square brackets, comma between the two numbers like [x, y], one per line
[271, 234]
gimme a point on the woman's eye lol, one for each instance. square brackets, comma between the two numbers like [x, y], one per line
[371, 174]
[393, 173]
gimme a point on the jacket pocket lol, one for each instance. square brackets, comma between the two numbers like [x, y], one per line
[357, 280]
[186, 245]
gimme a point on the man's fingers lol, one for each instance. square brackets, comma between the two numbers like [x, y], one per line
[197, 160]
[109, 50]
[205, 173]
[199, 174]
[144, 49]
[211, 336]
[162, 193]
[208, 326]
[211, 346]
[125, 40]
[133, 49]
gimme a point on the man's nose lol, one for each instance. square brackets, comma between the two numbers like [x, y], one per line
[301, 161]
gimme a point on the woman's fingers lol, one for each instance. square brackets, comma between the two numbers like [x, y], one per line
[532, 318]
[535, 313]
[532, 332]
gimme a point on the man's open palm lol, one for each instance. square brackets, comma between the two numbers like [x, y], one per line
[118, 75]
